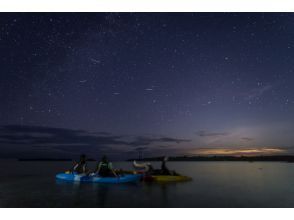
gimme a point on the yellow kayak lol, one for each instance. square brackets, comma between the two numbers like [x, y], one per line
[162, 178]
[157, 178]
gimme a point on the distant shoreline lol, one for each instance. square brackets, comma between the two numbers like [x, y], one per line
[48, 159]
[281, 158]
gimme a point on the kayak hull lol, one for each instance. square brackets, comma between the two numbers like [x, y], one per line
[96, 179]
[159, 178]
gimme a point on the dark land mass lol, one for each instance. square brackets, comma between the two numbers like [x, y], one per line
[280, 158]
[49, 159]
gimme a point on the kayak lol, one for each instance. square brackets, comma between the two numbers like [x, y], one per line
[156, 174]
[96, 179]
[159, 178]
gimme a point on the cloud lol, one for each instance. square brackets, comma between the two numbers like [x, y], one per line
[258, 92]
[37, 135]
[211, 134]
[141, 148]
[37, 138]
[139, 141]
[247, 139]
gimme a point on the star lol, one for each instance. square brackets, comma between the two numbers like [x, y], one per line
[95, 61]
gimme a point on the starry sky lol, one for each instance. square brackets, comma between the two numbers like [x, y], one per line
[160, 83]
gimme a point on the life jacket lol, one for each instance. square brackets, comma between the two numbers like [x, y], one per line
[104, 165]
[105, 169]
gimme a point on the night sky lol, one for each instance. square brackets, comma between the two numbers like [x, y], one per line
[162, 83]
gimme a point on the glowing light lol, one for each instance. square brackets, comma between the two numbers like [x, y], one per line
[238, 151]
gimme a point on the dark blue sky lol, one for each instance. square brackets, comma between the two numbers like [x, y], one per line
[169, 83]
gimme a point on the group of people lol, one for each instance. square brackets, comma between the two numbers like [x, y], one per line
[148, 168]
[103, 168]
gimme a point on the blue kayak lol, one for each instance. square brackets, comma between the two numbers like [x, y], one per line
[128, 178]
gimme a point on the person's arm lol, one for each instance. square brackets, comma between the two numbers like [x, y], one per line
[147, 168]
[111, 168]
[98, 168]
[74, 166]
[84, 168]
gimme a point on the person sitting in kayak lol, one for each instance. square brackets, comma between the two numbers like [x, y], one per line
[164, 169]
[104, 168]
[81, 166]
[147, 168]
[150, 170]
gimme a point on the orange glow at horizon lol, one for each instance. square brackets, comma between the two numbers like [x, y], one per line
[238, 151]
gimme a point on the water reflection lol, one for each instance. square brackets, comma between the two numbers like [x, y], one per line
[215, 184]
[101, 192]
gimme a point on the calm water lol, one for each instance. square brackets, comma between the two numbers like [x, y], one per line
[215, 184]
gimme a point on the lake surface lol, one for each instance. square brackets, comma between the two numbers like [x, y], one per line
[214, 184]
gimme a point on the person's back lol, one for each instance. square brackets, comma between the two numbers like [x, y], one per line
[81, 166]
[104, 168]
[164, 169]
